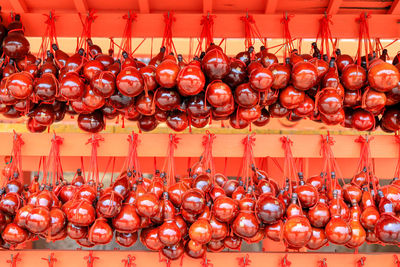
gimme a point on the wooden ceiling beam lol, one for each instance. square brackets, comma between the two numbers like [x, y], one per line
[144, 6]
[333, 7]
[270, 6]
[395, 7]
[207, 6]
[81, 6]
[19, 6]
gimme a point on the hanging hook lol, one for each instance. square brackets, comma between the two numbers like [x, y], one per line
[286, 15]
[208, 15]
[325, 14]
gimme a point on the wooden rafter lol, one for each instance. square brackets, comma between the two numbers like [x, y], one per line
[270, 6]
[81, 6]
[144, 6]
[333, 7]
[207, 6]
[395, 7]
[19, 6]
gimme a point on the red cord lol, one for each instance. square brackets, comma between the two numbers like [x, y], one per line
[90, 259]
[167, 41]
[322, 263]
[285, 262]
[361, 262]
[251, 31]
[129, 261]
[16, 163]
[86, 30]
[288, 46]
[94, 167]
[126, 42]
[244, 261]
[396, 260]
[53, 161]
[206, 35]
[51, 260]
[14, 259]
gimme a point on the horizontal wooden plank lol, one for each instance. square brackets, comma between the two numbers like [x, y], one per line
[225, 25]
[69, 258]
[225, 145]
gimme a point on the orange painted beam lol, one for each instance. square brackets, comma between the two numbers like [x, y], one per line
[69, 258]
[225, 25]
[144, 6]
[333, 6]
[81, 6]
[270, 6]
[225, 145]
[207, 6]
[395, 7]
[365, 5]
[19, 6]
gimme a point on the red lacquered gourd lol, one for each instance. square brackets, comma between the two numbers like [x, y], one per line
[358, 233]
[167, 73]
[261, 79]
[297, 230]
[281, 75]
[269, 208]
[215, 64]
[15, 45]
[291, 98]
[126, 239]
[237, 75]
[383, 77]
[225, 209]
[337, 230]
[191, 80]
[333, 119]
[100, 232]
[329, 101]
[318, 239]
[43, 114]
[201, 231]
[353, 77]
[71, 86]
[173, 252]
[246, 96]
[13, 234]
[373, 101]
[103, 84]
[233, 242]
[362, 120]
[218, 94]
[38, 220]
[386, 228]
[20, 85]
[130, 82]
[304, 75]
[246, 224]
[92, 122]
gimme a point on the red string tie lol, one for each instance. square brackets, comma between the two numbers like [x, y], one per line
[129, 261]
[244, 261]
[206, 262]
[90, 259]
[51, 260]
[322, 263]
[396, 260]
[14, 259]
[361, 262]
[285, 262]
